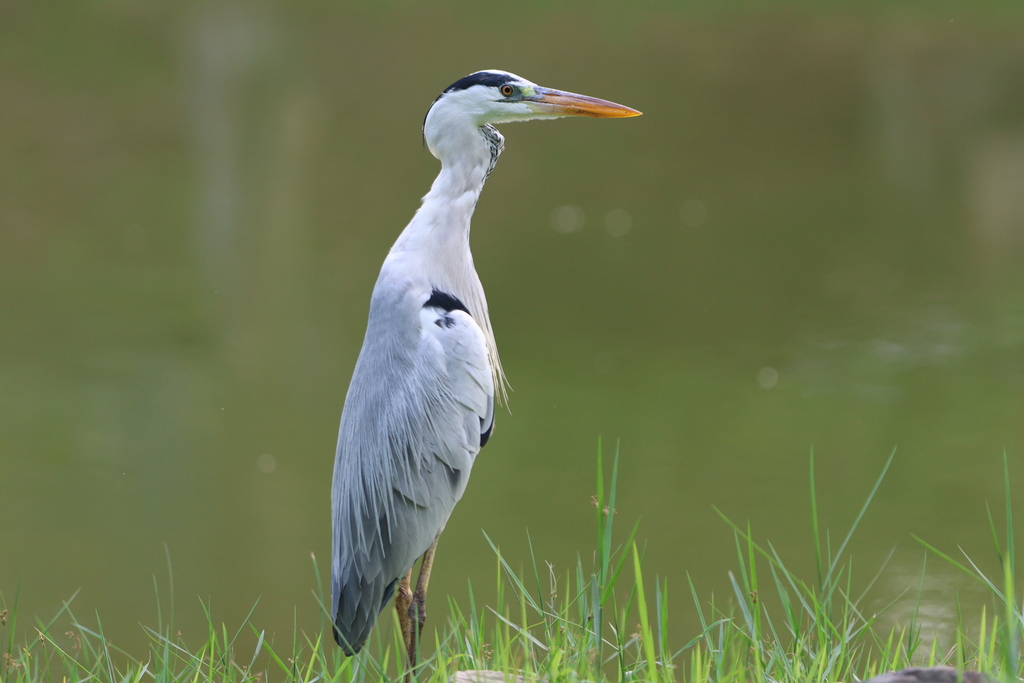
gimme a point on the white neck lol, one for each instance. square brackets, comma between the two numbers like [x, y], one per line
[440, 227]
[438, 235]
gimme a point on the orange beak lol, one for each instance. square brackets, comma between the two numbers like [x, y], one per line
[560, 103]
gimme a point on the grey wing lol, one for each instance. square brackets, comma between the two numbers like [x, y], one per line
[409, 435]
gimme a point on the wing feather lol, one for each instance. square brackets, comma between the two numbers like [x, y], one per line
[415, 417]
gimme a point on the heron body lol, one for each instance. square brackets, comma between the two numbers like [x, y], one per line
[420, 404]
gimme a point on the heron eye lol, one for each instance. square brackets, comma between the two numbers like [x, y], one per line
[507, 90]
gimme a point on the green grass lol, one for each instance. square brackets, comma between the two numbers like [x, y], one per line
[603, 620]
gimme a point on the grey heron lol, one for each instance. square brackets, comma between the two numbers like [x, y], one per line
[420, 404]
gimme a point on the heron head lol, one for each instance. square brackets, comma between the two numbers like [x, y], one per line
[494, 96]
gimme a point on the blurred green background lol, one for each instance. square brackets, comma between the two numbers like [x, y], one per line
[814, 237]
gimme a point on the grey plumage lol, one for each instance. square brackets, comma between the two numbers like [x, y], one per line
[407, 443]
[421, 396]
[421, 401]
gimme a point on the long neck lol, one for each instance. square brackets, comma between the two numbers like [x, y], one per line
[438, 235]
[440, 228]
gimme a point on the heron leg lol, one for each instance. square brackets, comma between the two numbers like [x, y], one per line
[412, 606]
[403, 605]
[419, 598]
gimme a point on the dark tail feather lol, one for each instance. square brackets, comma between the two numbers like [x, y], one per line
[357, 612]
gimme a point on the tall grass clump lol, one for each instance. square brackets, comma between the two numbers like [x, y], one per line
[604, 619]
[995, 647]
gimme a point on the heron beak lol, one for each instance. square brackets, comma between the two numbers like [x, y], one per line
[560, 103]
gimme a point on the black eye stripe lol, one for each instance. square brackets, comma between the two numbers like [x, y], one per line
[488, 78]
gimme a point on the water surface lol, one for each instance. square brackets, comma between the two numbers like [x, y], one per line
[813, 238]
